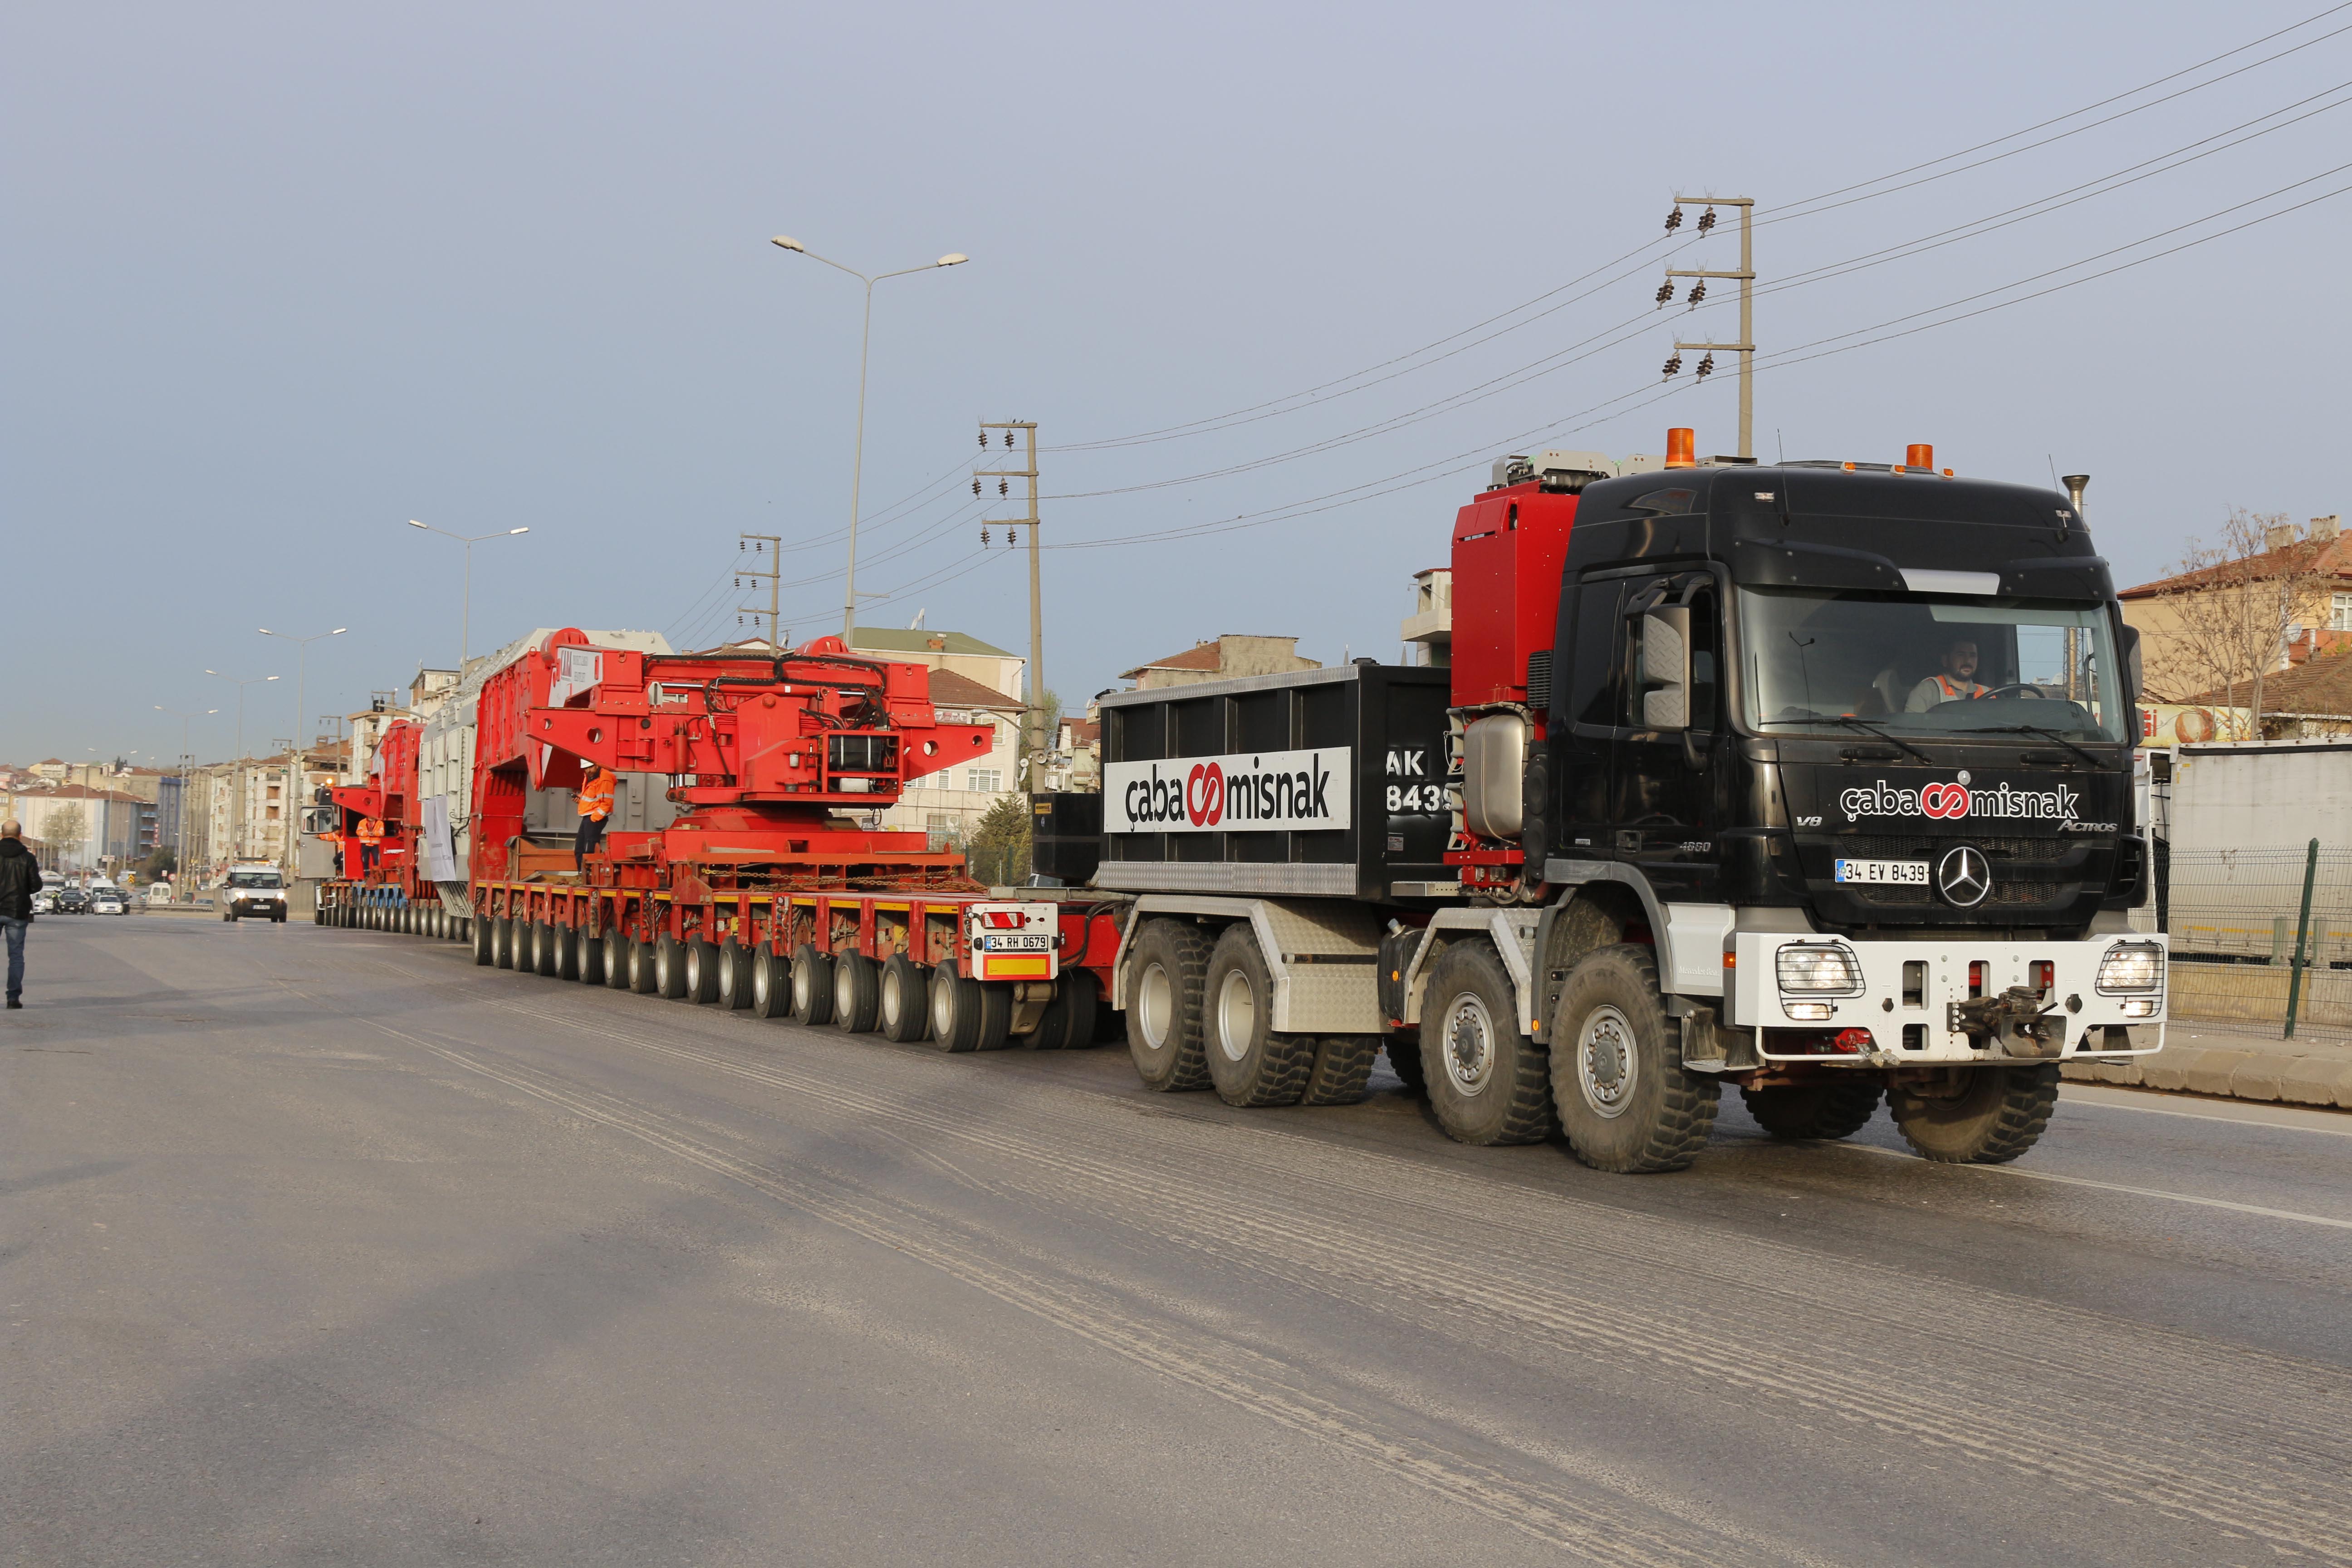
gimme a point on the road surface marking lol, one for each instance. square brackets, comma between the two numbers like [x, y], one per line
[2257, 1113]
[2119, 1187]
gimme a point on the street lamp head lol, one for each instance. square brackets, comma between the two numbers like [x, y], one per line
[339, 631]
[265, 631]
[269, 677]
[786, 242]
[427, 526]
[953, 258]
[512, 530]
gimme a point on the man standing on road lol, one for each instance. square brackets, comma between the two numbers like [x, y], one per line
[20, 878]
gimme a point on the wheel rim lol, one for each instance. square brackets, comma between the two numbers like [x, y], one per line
[802, 983]
[1606, 1064]
[1155, 1005]
[760, 983]
[845, 989]
[894, 998]
[943, 1007]
[1469, 1041]
[1236, 1014]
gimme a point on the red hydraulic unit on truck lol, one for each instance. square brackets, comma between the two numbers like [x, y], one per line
[375, 831]
[774, 889]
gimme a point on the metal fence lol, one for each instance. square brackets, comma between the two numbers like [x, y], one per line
[2237, 919]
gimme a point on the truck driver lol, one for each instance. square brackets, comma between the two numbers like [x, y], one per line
[1954, 682]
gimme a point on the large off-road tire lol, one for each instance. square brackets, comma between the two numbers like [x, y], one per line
[701, 973]
[1488, 1083]
[1164, 1006]
[967, 1015]
[1996, 1116]
[811, 986]
[771, 985]
[670, 968]
[1626, 1101]
[1249, 1063]
[1834, 1107]
[1068, 1022]
[615, 944]
[856, 993]
[484, 955]
[904, 1011]
[643, 976]
[734, 967]
[1404, 1052]
[1342, 1067]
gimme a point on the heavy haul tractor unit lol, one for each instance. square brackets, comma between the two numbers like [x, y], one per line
[1814, 779]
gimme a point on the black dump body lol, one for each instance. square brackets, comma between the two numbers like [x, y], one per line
[1322, 781]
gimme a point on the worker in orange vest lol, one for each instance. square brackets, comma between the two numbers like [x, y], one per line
[595, 806]
[370, 842]
[1954, 682]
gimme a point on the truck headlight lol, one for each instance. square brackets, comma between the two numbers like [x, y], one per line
[1818, 968]
[2131, 966]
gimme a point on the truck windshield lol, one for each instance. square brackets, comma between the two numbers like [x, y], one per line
[254, 880]
[1921, 664]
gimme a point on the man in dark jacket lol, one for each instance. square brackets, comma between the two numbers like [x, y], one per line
[20, 878]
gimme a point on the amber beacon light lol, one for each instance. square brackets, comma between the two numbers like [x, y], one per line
[1680, 443]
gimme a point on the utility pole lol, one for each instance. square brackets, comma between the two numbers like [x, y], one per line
[772, 571]
[1035, 722]
[1746, 347]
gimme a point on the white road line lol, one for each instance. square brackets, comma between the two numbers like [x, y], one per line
[2118, 1187]
[2293, 1118]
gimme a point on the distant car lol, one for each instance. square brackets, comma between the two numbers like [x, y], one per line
[110, 902]
[45, 902]
[159, 893]
[259, 890]
[72, 900]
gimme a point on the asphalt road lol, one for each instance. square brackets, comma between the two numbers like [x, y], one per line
[323, 1246]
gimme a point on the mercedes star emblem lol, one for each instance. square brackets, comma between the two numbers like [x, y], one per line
[1964, 877]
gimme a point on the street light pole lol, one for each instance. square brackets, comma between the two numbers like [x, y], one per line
[466, 629]
[236, 800]
[857, 463]
[301, 747]
[187, 767]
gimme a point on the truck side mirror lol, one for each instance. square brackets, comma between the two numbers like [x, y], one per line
[1666, 668]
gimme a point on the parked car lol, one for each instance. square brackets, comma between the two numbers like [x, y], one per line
[72, 900]
[110, 902]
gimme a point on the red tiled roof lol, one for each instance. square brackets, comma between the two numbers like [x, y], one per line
[950, 690]
[1204, 656]
[2331, 557]
[2322, 684]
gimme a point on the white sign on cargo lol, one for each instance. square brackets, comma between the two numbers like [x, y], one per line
[1261, 791]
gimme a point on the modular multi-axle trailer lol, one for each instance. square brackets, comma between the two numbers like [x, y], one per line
[1812, 779]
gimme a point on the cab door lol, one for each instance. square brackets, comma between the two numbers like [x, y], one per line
[1585, 721]
[1666, 788]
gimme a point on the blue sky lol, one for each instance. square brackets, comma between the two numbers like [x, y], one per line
[279, 278]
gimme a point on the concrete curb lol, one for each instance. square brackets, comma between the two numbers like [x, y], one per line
[2243, 1068]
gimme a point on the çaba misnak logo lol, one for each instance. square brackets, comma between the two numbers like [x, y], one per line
[1950, 802]
[1286, 790]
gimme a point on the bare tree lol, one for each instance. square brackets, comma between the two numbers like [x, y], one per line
[2229, 605]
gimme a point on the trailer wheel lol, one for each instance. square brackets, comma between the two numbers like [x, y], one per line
[771, 985]
[812, 984]
[642, 977]
[734, 975]
[570, 949]
[483, 954]
[1626, 1102]
[670, 968]
[967, 1015]
[1404, 1052]
[1249, 1062]
[1829, 1107]
[1068, 1021]
[856, 993]
[1169, 960]
[1343, 1065]
[1997, 1115]
[547, 942]
[1488, 1083]
[701, 973]
[616, 959]
[904, 1014]
[502, 943]
[588, 958]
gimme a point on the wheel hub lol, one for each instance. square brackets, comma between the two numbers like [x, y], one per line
[1605, 1061]
[1469, 1043]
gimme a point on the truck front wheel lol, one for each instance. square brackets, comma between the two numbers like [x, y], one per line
[1488, 1083]
[1249, 1063]
[1626, 1102]
[1996, 1115]
[1166, 968]
[1831, 1107]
